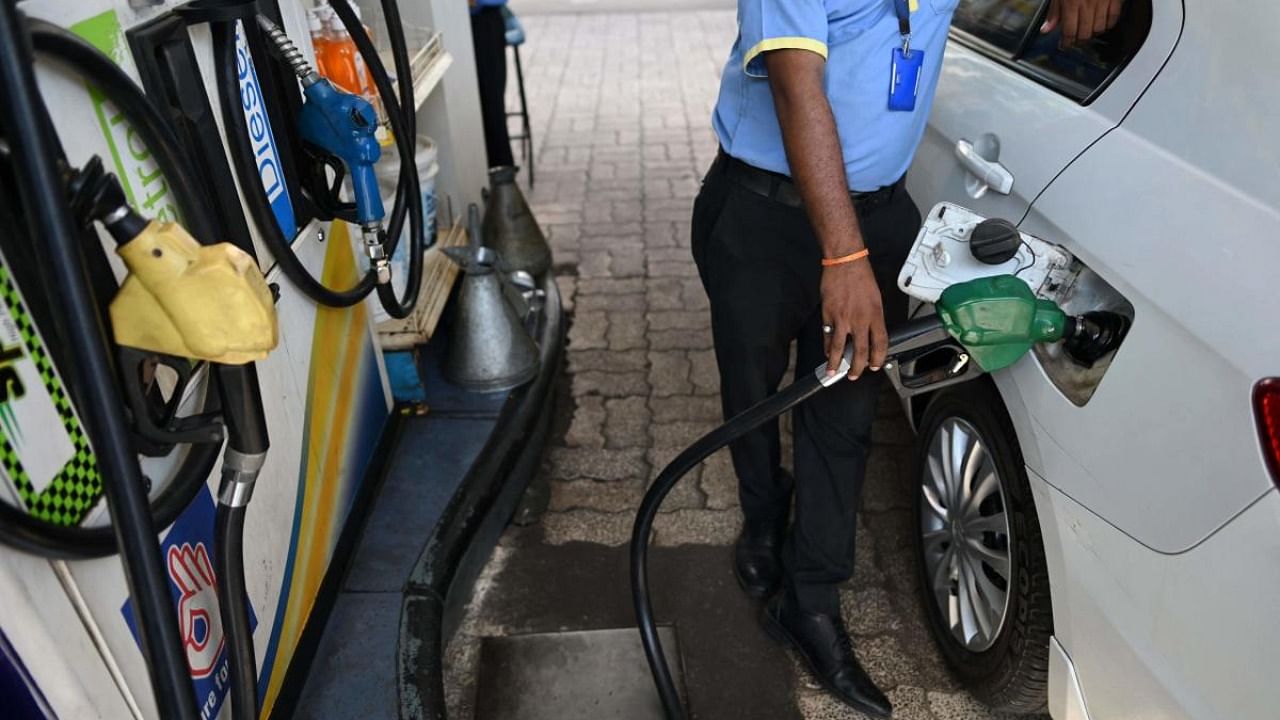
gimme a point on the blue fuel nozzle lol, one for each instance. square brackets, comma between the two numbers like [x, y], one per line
[345, 125]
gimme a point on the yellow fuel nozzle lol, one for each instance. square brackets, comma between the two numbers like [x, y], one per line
[207, 302]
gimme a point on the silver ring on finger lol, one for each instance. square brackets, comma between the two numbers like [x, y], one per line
[827, 329]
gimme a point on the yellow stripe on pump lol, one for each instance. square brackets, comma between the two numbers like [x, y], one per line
[207, 302]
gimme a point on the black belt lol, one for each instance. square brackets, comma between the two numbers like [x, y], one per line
[779, 188]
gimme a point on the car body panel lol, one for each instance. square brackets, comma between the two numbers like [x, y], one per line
[1037, 130]
[1066, 699]
[1166, 449]
[1152, 635]
[1198, 265]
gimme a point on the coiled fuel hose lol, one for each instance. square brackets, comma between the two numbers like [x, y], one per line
[403, 128]
[737, 426]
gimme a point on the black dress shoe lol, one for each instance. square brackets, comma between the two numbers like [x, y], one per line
[757, 558]
[824, 645]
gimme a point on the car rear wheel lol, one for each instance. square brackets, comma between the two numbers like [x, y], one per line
[984, 582]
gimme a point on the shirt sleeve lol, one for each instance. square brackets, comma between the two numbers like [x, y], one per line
[765, 25]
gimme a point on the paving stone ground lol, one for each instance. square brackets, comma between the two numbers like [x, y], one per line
[621, 106]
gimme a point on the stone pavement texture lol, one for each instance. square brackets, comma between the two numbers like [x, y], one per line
[621, 107]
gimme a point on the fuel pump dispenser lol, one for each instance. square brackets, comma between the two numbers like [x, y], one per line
[995, 320]
[182, 301]
[178, 330]
[27, 133]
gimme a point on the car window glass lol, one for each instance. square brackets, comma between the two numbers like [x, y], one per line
[1008, 31]
[1002, 23]
[1079, 71]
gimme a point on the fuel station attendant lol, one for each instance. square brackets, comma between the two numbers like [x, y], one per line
[489, 41]
[799, 231]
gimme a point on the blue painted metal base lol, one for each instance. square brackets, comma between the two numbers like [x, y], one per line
[355, 667]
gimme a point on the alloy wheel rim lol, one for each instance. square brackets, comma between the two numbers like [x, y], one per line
[965, 532]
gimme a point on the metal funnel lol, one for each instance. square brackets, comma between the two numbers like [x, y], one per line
[509, 226]
[489, 348]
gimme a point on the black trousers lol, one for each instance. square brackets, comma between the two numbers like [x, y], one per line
[489, 38]
[759, 261]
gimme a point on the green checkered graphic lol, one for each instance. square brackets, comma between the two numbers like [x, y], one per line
[77, 487]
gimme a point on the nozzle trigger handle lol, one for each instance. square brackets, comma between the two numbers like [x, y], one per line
[156, 424]
[364, 184]
[846, 362]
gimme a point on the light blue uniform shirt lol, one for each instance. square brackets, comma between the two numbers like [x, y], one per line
[857, 37]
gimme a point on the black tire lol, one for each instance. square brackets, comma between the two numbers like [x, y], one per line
[1012, 675]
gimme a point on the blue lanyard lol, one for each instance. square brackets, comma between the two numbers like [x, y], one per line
[903, 8]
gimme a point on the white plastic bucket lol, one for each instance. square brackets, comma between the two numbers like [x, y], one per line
[388, 172]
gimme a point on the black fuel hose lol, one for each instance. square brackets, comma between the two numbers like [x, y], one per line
[247, 445]
[734, 428]
[247, 437]
[693, 456]
[27, 127]
[404, 129]
[242, 406]
[228, 559]
[22, 532]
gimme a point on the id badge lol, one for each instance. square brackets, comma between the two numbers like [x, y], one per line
[904, 79]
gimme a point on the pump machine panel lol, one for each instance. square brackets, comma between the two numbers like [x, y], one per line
[74, 628]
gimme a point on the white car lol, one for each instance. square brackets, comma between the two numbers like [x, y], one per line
[1105, 541]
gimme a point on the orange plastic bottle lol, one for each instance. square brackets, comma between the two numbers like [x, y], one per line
[320, 39]
[342, 63]
[339, 61]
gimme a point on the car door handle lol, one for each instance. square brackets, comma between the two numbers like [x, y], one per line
[990, 172]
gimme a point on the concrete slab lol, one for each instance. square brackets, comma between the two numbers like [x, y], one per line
[583, 675]
[732, 669]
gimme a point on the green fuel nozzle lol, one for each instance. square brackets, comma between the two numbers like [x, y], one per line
[998, 319]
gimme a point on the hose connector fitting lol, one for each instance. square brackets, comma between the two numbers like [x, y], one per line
[289, 52]
[376, 250]
[239, 473]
